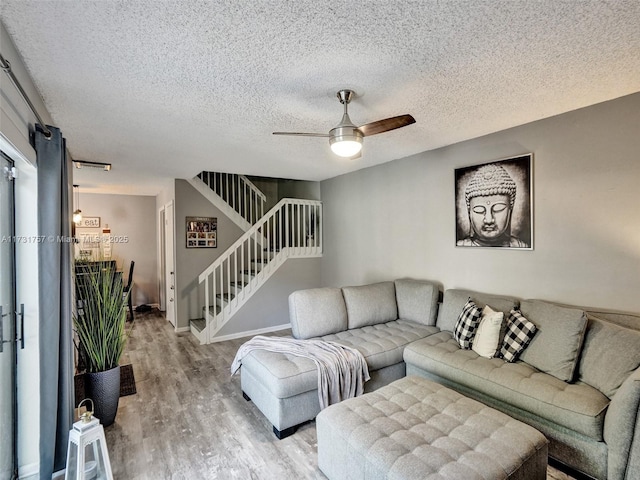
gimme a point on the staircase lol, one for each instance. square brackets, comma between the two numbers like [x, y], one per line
[235, 195]
[291, 229]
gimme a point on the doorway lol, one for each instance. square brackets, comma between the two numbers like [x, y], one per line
[169, 264]
[8, 355]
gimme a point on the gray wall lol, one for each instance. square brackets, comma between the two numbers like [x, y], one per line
[190, 263]
[269, 307]
[278, 188]
[132, 219]
[302, 189]
[398, 219]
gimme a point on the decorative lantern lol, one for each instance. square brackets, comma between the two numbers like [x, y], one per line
[87, 455]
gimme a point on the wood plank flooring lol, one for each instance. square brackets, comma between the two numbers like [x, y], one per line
[188, 419]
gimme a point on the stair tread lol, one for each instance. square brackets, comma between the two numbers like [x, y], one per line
[213, 310]
[226, 295]
[198, 323]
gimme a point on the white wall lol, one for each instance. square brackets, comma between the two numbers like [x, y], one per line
[398, 220]
[133, 223]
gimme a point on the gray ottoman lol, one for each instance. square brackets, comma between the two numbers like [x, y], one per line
[414, 428]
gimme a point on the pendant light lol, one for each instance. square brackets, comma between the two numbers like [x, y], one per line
[77, 214]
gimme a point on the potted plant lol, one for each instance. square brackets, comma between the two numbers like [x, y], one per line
[99, 322]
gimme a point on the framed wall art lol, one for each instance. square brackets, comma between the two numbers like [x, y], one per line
[89, 222]
[494, 204]
[202, 232]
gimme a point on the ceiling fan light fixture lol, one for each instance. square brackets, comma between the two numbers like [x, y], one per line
[345, 141]
[346, 138]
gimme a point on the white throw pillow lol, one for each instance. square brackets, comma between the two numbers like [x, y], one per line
[487, 336]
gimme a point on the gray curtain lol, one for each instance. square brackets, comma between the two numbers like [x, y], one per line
[54, 283]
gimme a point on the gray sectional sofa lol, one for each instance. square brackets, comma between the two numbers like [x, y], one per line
[578, 381]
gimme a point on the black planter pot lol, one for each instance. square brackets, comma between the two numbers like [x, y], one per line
[104, 389]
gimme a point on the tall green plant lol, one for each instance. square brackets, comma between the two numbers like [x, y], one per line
[100, 317]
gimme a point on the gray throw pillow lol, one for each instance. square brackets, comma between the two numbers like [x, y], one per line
[371, 304]
[556, 346]
[609, 355]
[417, 300]
[317, 311]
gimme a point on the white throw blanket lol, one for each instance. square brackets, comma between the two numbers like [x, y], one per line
[342, 371]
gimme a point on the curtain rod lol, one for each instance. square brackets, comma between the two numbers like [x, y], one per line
[6, 66]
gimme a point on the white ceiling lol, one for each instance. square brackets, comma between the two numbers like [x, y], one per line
[165, 89]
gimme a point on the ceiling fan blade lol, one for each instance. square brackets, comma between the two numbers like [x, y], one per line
[300, 134]
[385, 125]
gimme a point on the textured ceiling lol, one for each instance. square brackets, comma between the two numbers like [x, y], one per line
[165, 89]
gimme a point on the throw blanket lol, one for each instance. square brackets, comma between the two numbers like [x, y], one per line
[342, 371]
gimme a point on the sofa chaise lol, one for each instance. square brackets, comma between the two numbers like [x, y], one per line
[379, 320]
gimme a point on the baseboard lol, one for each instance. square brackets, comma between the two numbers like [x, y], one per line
[250, 333]
[57, 475]
[183, 329]
[152, 305]
[31, 471]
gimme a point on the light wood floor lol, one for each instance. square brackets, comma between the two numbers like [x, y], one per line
[188, 419]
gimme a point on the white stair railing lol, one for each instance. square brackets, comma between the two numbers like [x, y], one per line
[291, 229]
[238, 192]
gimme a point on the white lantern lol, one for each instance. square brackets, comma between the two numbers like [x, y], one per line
[87, 455]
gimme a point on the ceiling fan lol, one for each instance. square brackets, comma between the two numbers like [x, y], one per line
[346, 138]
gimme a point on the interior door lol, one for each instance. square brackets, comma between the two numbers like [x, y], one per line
[169, 264]
[7, 323]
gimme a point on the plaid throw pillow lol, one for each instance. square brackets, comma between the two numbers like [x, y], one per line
[520, 332]
[467, 324]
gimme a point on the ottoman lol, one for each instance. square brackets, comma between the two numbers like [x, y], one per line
[415, 428]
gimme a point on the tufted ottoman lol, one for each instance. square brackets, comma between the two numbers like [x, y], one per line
[414, 428]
